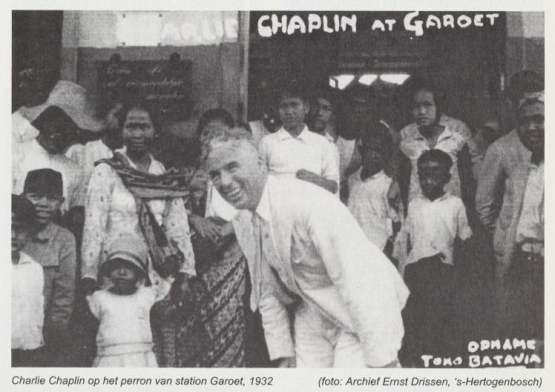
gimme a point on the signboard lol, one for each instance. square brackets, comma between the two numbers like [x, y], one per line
[164, 85]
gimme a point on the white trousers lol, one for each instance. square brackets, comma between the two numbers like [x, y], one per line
[319, 343]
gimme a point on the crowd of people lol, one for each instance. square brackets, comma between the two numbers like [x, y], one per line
[278, 243]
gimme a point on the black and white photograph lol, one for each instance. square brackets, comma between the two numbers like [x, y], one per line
[278, 189]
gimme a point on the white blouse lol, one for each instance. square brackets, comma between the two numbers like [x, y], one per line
[111, 211]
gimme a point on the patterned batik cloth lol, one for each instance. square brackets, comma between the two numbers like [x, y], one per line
[210, 333]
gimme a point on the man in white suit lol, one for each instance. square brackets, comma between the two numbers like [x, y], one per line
[313, 270]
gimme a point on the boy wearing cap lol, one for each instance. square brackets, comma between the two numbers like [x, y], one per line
[27, 287]
[54, 248]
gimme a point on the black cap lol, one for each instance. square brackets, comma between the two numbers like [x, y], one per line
[44, 181]
[23, 210]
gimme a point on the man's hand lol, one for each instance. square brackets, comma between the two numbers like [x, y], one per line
[288, 362]
[206, 228]
[227, 233]
[226, 229]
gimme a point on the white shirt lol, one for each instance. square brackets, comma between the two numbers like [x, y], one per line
[124, 321]
[369, 205]
[33, 156]
[531, 222]
[285, 155]
[27, 304]
[84, 156]
[433, 226]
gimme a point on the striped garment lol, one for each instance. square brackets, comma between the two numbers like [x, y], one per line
[164, 253]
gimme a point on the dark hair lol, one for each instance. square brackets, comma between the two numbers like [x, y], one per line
[328, 94]
[417, 84]
[216, 114]
[438, 156]
[294, 89]
[378, 132]
[127, 107]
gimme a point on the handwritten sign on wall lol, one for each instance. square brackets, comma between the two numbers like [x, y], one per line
[165, 85]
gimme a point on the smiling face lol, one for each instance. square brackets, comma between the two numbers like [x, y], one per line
[138, 131]
[531, 131]
[46, 206]
[292, 112]
[237, 173]
[424, 109]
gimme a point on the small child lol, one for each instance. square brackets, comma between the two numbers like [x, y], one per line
[124, 337]
[27, 287]
[54, 248]
[434, 222]
[368, 188]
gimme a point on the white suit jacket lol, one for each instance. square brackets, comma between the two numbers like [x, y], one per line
[331, 264]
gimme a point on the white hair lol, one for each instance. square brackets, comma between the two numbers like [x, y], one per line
[237, 137]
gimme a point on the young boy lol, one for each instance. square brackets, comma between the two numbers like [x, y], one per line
[294, 150]
[27, 287]
[54, 248]
[368, 188]
[434, 222]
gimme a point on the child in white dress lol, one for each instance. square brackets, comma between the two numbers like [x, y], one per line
[124, 337]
